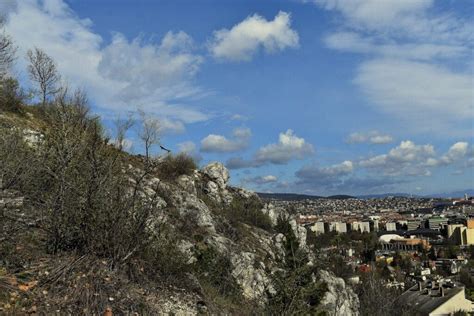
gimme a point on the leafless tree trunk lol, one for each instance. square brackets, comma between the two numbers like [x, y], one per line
[122, 126]
[42, 70]
[149, 133]
[7, 51]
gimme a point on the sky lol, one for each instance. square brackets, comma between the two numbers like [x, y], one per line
[308, 96]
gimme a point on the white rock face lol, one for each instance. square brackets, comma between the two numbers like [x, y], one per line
[186, 248]
[32, 137]
[280, 240]
[187, 183]
[212, 190]
[217, 173]
[274, 213]
[189, 205]
[340, 299]
[300, 232]
[250, 276]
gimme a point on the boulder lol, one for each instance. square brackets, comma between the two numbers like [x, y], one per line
[217, 173]
[250, 275]
[340, 299]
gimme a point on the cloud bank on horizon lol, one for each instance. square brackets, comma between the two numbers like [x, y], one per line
[248, 87]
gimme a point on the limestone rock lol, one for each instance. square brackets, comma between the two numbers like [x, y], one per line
[250, 275]
[217, 173]
[187, 183]
[300, 232]
[187, 249]
[340, 299]
[274, 213]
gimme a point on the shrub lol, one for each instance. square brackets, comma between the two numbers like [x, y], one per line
[11, 95]
[215, 269]
[248, 211]
[173, 166]
[296, 291]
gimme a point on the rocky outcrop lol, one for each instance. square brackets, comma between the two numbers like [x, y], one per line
[217, 173]
[274, 213]
[251, 276]
[340, 299]
[217, 177]
[299, 232]
[253, 258]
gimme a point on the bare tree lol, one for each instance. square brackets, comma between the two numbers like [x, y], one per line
[121, 127]
[149, 133]
[7, 50]
[42, 70]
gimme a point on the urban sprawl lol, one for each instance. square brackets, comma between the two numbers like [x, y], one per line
[423, 247]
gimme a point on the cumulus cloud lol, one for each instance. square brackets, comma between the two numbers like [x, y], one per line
[221, 144]
[405, 159]
[372, 137]
[288, 147]
[118, 76]
[455, 153]
[255, 33]
[325, 175]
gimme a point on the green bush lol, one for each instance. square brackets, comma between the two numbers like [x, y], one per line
[173, 166]
[248, 211]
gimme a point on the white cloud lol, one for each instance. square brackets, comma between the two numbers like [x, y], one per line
[245, 39]
[414, 90]
[417, 60]
[456, 152]
[219, 143]
[372, 137]
[405, 159]
[374, 14]
[400, 19]
[289, 147]
[168, 126]
[314, 173]
[119, 76]
[354, 42]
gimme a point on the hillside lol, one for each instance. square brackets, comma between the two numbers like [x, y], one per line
[87, 228]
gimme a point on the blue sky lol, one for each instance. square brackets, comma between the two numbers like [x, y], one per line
[311, 96]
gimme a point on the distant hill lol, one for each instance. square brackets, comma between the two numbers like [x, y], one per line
[299, 197]
[454, 194]
[384, 195]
